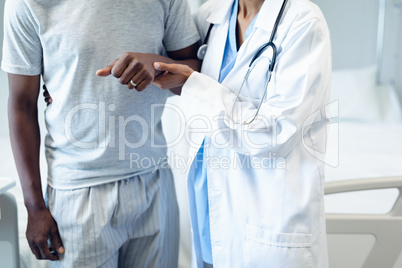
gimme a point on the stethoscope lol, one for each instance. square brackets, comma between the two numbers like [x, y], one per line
[203, 49]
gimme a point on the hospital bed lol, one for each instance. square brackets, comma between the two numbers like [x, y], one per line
[364, 172]
[364, 151]
[381, 233]
[9, 246]
[363, 197]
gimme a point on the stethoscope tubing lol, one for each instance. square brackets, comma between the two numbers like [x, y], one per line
[270, 43]
[271, 40]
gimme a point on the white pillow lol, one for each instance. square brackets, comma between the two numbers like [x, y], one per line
[361, 99]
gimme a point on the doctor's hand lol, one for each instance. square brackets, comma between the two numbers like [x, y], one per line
[42, 227]
[132, 69]
[173, 76]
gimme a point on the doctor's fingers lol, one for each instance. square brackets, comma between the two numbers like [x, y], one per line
[168, 80]
[173, 68]
[107, 70]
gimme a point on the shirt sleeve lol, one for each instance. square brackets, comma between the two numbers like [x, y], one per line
[22, 50]
[180, 30]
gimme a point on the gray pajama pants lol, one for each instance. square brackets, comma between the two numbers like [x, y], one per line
[128, 223]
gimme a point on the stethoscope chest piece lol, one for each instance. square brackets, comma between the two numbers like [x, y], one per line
[202, 51]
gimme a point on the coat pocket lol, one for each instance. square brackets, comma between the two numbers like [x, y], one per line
[262, 248]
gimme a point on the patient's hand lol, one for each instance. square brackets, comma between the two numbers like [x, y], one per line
[173, 76]
[131, 68]
[41, 227]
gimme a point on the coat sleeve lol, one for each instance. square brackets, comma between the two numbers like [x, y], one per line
[300, 87]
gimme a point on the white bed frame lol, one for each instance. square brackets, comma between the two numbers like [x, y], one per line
[9, 246]
[386, 228]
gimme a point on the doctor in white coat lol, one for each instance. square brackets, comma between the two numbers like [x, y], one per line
[264, 180]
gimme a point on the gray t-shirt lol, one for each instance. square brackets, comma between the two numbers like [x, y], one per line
[98, 130]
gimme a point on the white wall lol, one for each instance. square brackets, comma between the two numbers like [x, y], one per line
[3, 83]
[392, 54]
[397, 33]
[353, 26]
[194, 4]
[353, 31]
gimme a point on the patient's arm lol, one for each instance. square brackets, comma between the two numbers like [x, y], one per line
[139, 66]
[25, 141]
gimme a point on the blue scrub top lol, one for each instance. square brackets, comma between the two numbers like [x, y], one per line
[200, 180]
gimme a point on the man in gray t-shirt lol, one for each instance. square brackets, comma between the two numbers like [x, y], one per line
[99, 133]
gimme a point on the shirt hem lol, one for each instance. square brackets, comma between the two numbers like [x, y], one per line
[21, 70]
[183, 43]
[96, 181]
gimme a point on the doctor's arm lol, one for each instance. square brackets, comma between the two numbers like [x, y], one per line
[25, 141]
[298, 88]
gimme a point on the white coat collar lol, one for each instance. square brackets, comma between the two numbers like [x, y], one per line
[268, 14]
[220, 9]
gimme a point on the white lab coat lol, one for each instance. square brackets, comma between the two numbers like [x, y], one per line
[265, 181]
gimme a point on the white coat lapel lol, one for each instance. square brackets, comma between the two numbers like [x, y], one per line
[213, 58]
[219, 14]
[260, 35]
[268, 14]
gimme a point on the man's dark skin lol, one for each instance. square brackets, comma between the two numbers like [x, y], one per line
[25, 137]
